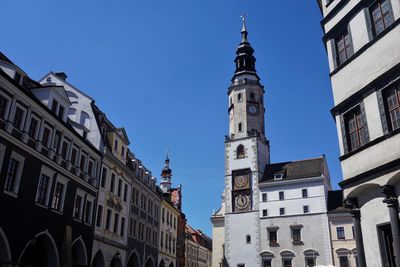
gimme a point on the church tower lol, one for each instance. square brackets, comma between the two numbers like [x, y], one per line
[246, 155]
[166, 174]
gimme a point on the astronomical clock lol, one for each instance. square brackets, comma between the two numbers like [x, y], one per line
[241, 193]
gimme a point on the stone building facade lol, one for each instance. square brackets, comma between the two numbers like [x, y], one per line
[48, 176]
[362, 41]
[198, 248]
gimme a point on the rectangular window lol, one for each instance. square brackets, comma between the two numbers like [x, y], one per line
[42, 190]
[18, 117]
[287, 262]
[12, 175]
[119, 187]
[306, 209]
[90, 168]
[340, 232]
[273, 236]
[281, 195]
[116, 219]
[125, 192]
[108, 219]
[57, 138]
[46, 137]
[304, 193]
[386, 245]
[99, 215]
[104, 177]
[344, 47]
[343, 261]
[267, 263]
[265, 213]
[264, 197]
[310, 262]
[77, 207]
[3, 106]
[381, 16]
[392, 107]
[282, 211]
[74, 156]
[82, 163]
[112, 184]
[122, 230]
[356, 129]
[64, 150]
[88, 212]
[296, 234]
[33, 128]
[58, 196]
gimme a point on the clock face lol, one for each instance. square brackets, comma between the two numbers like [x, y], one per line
[241, 181]
[252, 109]
[242, 202]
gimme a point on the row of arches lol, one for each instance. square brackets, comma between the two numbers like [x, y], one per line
[41, 251]
[133, 260]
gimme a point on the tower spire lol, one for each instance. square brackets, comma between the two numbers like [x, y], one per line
[245, 61]
[244, 29]
[166, 175]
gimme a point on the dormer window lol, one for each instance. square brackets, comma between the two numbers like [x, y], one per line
[60, 112]
[48, 79]
[278, 176]
[54, 106]
[116, 145]
[17, 77]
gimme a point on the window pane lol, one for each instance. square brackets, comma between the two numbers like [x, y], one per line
[11, 175]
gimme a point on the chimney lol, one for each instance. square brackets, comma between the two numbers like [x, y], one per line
[62, 75]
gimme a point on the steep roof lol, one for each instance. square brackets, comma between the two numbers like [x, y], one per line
[295, 169]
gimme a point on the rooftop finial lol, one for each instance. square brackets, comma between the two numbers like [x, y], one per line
[244, 29]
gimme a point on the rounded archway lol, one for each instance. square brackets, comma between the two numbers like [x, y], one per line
[149, 263]
[133, 260]
[98, 260]
[171, 264]
[79, 255]
[162, 264]
[40, 251]
[5, 253]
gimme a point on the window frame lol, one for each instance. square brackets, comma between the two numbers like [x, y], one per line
[340, 233]
[81, 194]
[99, 216]
[36, 133]
[64, 181]
[382, 16]
[348, 48]
[17, 179]
[7, 107]
[23, 116]
[356, 113]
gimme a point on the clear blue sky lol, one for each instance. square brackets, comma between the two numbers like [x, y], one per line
[161, 69]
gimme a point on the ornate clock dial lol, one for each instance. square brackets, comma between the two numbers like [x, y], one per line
[253, 109]
[242, 202]
[241, 181]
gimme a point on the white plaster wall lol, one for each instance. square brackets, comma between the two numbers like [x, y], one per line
[294, 201]
[376, 60]
[314, 234]
[340, 14]
[367, 159]
[372, 213]
[237, 226]
[218, 240]
[359, 31]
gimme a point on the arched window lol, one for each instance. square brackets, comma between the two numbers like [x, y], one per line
[240, 152]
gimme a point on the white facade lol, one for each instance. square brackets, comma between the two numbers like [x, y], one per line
[304, 201]
[168, 234]
[362, 83]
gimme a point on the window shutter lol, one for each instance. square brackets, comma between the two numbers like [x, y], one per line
[334, 55]
[382, 112]
[350, 49]
[344, 136]
[364, 119]
[369, 24]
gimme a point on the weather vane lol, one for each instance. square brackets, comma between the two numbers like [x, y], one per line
[243, 16]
